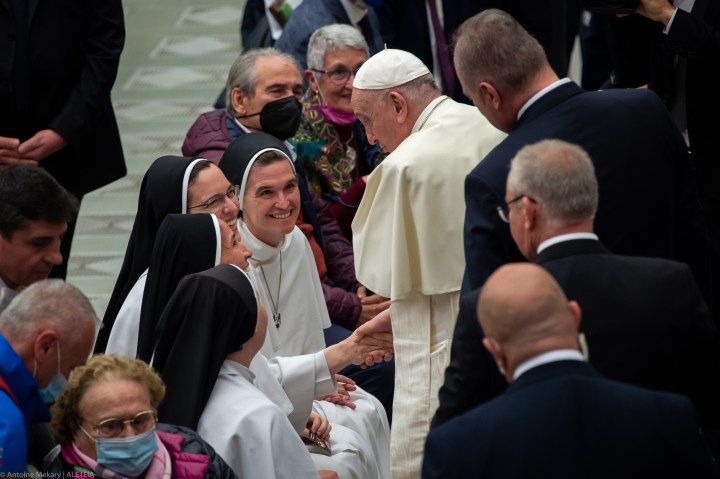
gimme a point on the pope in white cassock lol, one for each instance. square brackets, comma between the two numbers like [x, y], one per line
[407, 232]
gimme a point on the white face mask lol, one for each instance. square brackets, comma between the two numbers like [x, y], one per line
[57, 384]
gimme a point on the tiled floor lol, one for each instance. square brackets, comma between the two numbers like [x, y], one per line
[176, 57]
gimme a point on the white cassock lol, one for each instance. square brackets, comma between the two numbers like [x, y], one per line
[303, 317]
[123, 337]
[250, 432]
[408, 244]
[296, 294]
[306, 377]
[253, 435]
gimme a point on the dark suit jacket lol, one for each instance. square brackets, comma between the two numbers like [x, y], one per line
[648, 202]
[74, 48]
[563, 420]
[313, 14]
[644, 55]
[644, 319]
[404, 25]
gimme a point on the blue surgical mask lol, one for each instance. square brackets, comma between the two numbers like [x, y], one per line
[127, 456]
[57, 384]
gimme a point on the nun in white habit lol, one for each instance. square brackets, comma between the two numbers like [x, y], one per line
[213, 330]
[284, 273]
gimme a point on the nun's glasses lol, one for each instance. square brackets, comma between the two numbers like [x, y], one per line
[233, 192]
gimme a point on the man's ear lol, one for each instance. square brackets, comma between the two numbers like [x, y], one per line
[399, 106]
[574, 308]
[530, 214]
[494, 349]
[44, 347]
[238, 98]
[490, 96]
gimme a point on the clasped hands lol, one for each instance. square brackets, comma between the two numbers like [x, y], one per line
[42, 144]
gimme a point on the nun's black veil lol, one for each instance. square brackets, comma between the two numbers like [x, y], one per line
[185, 244]
[210, 315]
[161, 194]
[242, 150]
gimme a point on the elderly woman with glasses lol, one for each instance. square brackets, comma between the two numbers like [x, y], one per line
[334, 149]
[106, 426]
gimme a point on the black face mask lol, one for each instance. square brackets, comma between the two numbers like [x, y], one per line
[280, 118]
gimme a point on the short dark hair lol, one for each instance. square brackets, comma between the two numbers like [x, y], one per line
[29, 193]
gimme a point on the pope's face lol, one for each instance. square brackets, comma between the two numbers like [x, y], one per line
[271, 201]
[377, 115]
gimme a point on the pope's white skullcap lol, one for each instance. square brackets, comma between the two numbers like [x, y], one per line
[389, 68]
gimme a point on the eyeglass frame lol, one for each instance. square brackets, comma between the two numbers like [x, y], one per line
[503, 211]
[235, 189]
[346, 74]
[97, 425]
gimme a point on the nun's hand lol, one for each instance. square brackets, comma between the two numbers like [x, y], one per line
[42, 144]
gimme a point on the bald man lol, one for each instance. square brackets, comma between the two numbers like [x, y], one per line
[559, 417]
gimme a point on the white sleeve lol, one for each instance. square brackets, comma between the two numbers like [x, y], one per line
[123, 337]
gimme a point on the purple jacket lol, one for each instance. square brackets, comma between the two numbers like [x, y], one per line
[208, 138]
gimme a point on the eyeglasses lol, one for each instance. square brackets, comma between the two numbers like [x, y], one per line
[339, 75]
[504, 210]
[232, 193]
[114, 427]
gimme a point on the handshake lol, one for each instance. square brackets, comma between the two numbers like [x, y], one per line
[370, 343]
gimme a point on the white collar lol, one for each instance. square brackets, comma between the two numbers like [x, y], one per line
[542, 92]
[548, 357]
[354, 12]
[427, 111]
[231, 367]
[566, 237]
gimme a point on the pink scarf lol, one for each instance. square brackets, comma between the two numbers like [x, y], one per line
[160, 467]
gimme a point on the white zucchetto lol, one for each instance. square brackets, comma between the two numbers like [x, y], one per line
[389, 68]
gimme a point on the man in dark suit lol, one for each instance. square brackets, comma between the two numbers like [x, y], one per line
[559, 418]
[648, 206]
[645, 320]
[676, 53]
[58, 62]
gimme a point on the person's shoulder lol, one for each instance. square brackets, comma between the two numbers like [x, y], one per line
[11, 418]
[13, 435]
[208, 121]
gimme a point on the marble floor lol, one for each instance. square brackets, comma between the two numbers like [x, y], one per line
[175, 61]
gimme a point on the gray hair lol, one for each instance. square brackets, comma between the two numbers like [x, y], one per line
[560, 176]
[493, 47]
[332, 38]
[415, 91]
[50, 303]
[243, 74]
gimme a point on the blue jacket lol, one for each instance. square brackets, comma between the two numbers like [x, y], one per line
[14, 421]
[313, 14]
